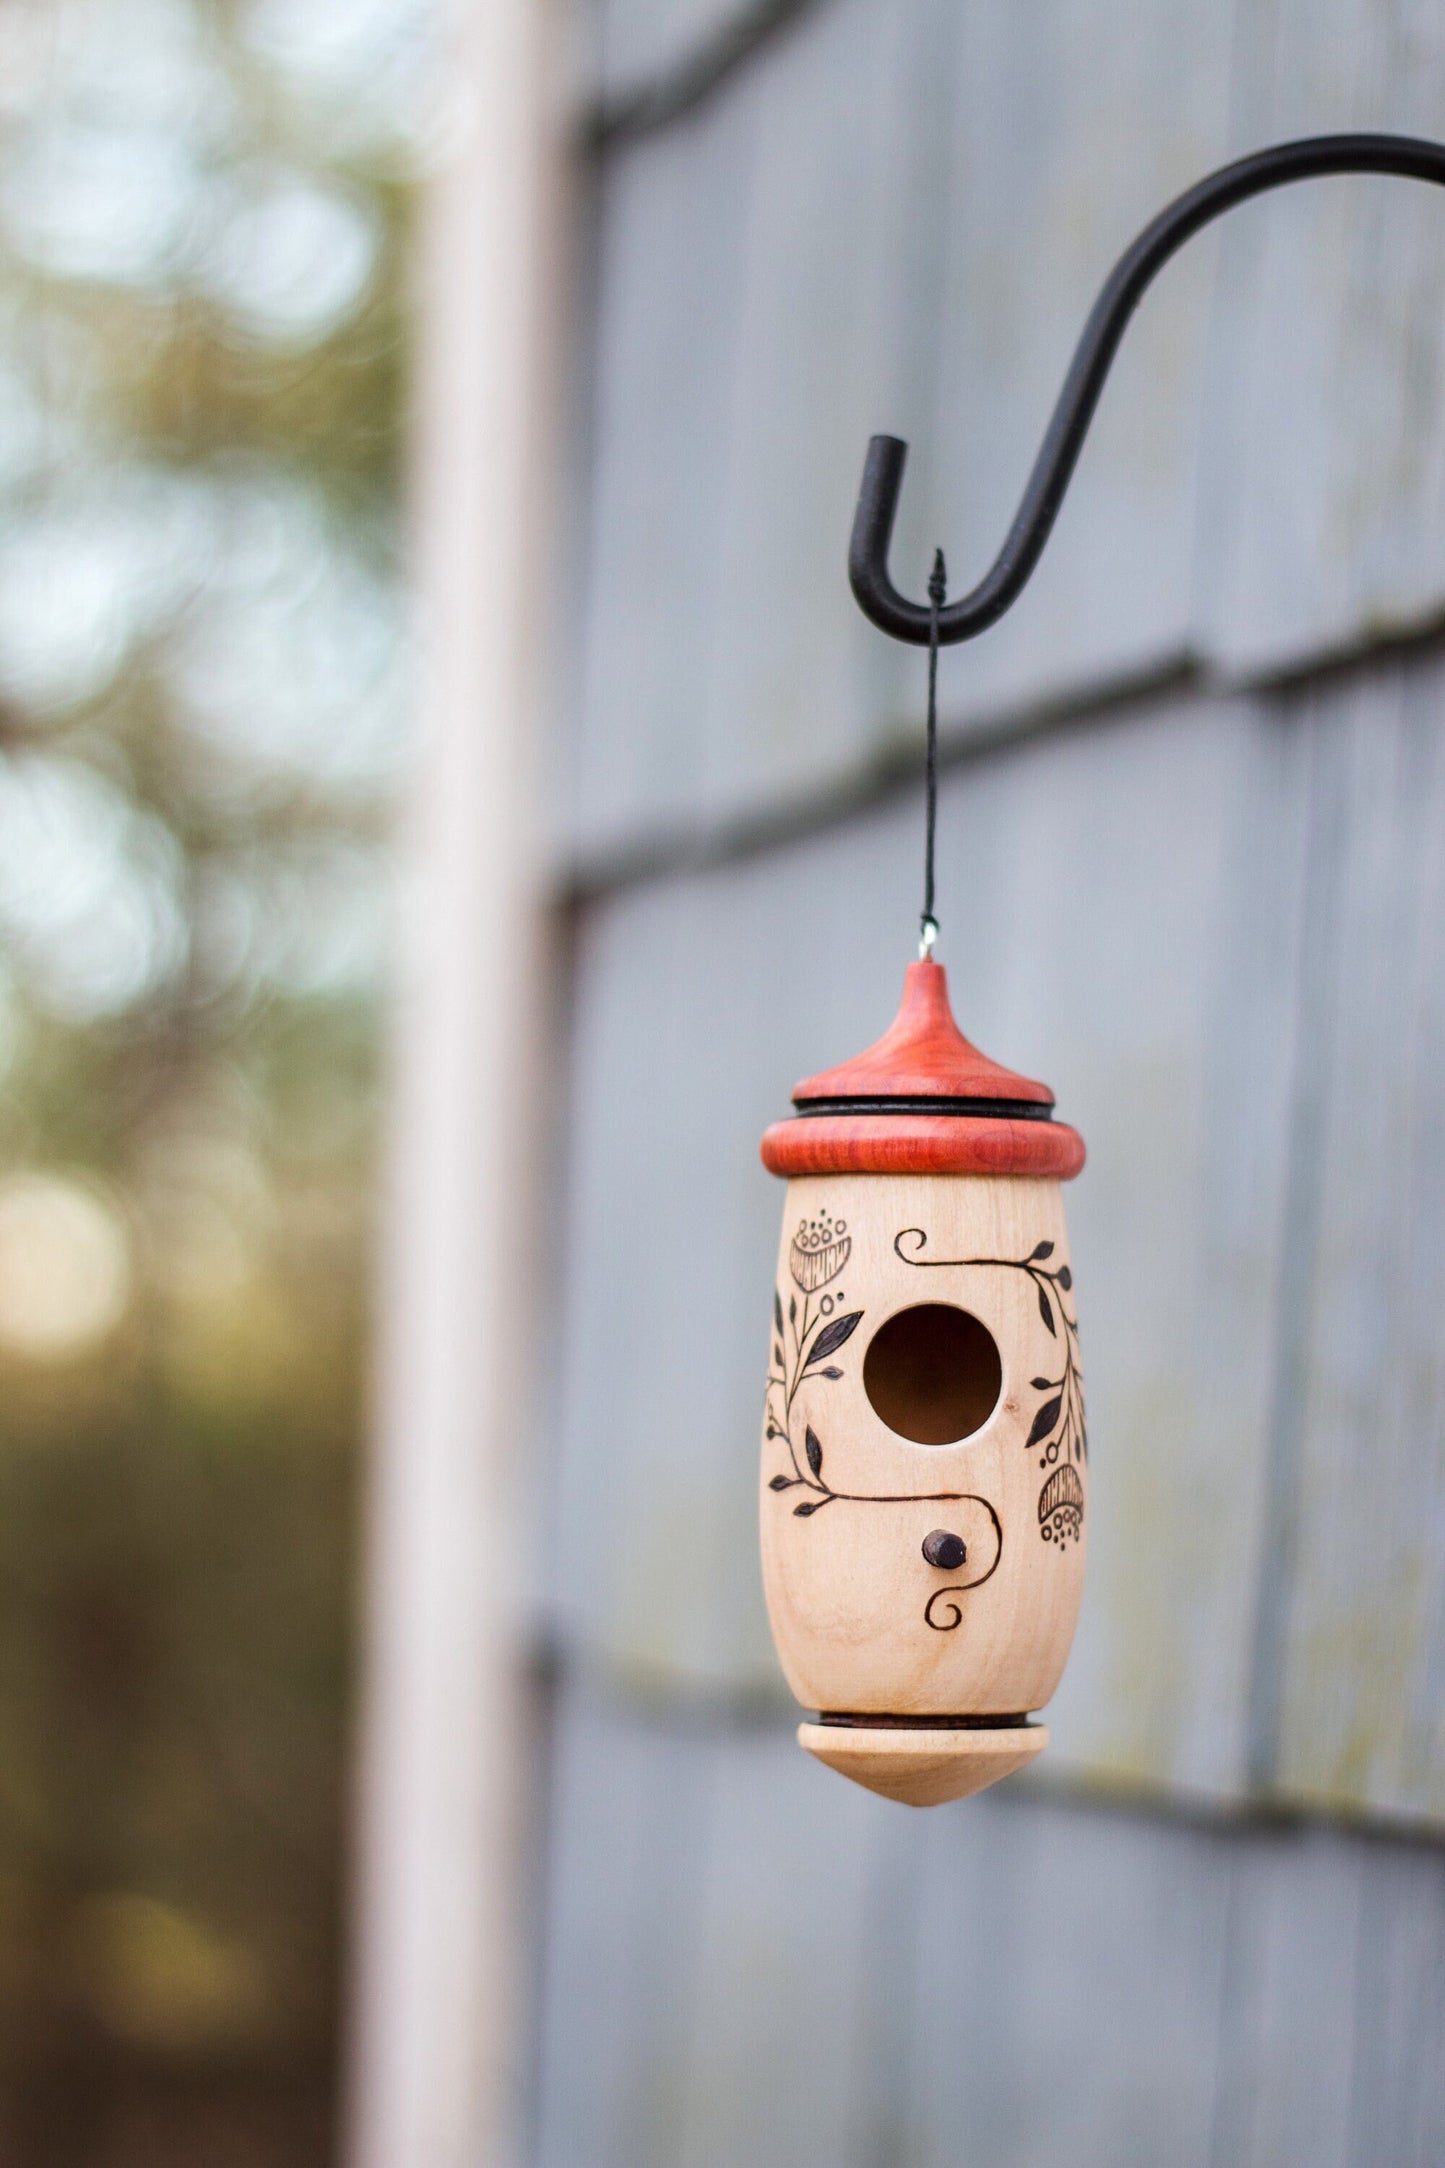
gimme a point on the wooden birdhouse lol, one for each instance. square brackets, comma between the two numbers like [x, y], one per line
[924, 1488]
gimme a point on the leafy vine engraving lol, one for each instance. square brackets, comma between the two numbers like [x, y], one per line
[803, 1342]
[1059, 1429]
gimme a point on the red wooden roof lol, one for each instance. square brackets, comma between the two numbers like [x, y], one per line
[923, 1100]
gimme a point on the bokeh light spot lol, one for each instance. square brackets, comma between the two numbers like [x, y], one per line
[292, 259]
[160, 1976]
[64, 1267]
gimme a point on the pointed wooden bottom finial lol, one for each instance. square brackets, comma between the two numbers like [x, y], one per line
[923, 1768]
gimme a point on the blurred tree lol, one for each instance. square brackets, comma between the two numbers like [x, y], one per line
[203, 678]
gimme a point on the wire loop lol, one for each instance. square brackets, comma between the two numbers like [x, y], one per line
[928, 924]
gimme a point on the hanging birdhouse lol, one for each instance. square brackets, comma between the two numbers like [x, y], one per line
[923, 1480]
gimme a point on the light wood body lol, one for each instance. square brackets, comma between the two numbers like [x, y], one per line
[862, 1622]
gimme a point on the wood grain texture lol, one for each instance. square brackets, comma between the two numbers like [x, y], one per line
[637, 46]
[628, 1813]
[720, 482]
[916, 208]
[848, 238]
[636, 41]
[1322, 480]
[1360, 1717]
[1045, 186]
[1150, 968]
[1175, 1993]
[862, 1619]
[749, 1961]
[706, 1967]
[669, 270]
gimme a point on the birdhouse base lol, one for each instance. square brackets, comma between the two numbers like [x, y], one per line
[923, 1768]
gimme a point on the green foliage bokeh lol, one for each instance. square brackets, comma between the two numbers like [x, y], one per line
[204, 213]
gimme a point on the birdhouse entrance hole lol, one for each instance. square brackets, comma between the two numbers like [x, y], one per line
[933, 1374]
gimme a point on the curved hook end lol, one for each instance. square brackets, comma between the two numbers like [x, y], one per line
[876, 595]
[1407, 157]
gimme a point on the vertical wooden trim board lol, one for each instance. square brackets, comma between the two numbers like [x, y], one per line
[434, 2042]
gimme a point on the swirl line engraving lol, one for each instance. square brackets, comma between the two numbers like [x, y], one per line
[1059, 1429]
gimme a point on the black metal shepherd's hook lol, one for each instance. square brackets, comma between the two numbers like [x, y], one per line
[1407, 156]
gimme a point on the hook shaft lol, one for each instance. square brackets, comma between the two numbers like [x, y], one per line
[1408, 157]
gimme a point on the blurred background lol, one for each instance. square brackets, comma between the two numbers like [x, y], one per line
[447, 795]
[205, 701]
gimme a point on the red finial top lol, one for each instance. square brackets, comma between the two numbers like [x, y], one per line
[923, 1100]
[922, 1055]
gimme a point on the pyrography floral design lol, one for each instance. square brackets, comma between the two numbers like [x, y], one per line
[803, 1344]
[818, 1252]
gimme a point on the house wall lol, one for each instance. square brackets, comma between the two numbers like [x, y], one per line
[1192, 870]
